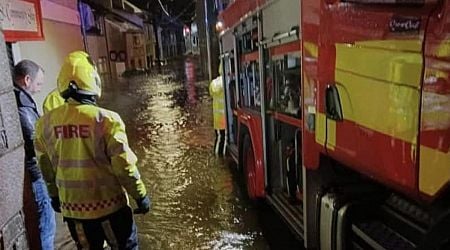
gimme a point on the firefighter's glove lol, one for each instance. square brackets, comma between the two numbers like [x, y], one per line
[56, 204]
[143, 204]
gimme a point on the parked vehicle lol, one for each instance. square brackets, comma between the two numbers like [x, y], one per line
[338, 115]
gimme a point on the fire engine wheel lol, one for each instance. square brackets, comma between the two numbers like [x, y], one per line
[249, 167]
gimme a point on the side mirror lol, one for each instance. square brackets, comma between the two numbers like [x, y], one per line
[333, 103]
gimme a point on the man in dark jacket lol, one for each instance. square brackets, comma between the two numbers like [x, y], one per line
[28, 80]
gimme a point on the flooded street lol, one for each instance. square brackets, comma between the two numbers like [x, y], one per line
[196, 203]
[197, 200]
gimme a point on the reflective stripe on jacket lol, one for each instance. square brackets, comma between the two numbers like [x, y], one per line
[85, 159]
[52, 101]
[217, 93]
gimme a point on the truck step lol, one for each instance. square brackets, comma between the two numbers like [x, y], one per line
[378, 236]
[397, 221]
[409, 209]
[291, 213]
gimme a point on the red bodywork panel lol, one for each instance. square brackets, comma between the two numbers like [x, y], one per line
[285, 48]
[287, 119]
[387, 147]
[249, 57]
[435, 120]
[310, 11]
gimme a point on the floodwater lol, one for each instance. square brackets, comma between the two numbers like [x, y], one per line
[197, 202]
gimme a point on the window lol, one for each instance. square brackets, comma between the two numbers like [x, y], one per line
[248, 41]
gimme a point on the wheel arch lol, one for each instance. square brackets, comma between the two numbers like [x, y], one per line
[252, 129]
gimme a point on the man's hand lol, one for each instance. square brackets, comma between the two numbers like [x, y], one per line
[143, 204]
[56, 204]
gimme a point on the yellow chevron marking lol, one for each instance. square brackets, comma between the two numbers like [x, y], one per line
[331, 134]
[320, 128]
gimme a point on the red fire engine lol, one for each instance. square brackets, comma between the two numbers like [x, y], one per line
[338, 115]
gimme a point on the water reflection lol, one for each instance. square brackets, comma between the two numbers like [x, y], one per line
[197, 205]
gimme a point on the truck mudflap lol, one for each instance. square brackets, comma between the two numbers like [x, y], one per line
[338, 209]
[333, 221]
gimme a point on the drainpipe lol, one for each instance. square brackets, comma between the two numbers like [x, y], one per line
[208, 41]
[108, 60]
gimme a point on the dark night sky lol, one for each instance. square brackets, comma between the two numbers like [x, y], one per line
[180, 10]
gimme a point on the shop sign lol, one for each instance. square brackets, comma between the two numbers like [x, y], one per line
[21, 20]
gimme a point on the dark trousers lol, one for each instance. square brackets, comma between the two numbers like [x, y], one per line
[219, 143]
[118, 229]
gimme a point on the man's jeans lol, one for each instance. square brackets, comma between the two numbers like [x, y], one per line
[47, 224]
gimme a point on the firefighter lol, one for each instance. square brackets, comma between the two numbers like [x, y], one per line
[217, 93]
[87, 163]
[52, 101]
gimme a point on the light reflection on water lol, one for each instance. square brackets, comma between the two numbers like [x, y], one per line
[196, 203]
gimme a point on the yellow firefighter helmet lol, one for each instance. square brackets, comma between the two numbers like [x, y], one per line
[79, 73]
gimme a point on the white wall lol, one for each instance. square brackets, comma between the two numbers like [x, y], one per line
[60, 40]
[62, 36]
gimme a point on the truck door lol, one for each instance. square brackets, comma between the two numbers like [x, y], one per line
[372, 90]
[230, 95]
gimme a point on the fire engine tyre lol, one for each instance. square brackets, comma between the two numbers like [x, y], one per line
[438, 238]
[249, 168]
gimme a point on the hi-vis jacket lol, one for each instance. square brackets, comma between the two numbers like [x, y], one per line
[216, 91]
[84, 156]
[52, 101]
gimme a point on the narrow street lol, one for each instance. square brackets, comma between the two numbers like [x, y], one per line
[197, 198]
[335, 116]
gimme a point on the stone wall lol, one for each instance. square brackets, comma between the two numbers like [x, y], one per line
[12, 229]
